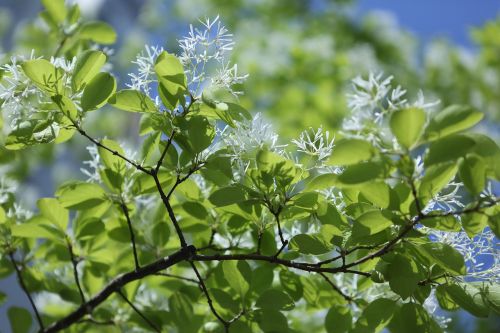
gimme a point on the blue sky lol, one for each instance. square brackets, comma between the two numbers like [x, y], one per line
[430, 19]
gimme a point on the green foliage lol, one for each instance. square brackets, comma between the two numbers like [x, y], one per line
[216, 226]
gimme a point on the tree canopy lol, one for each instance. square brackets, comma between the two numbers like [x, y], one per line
[212, 222]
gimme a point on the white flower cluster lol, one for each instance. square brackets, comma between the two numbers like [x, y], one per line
[250, 135]
[95, 167]
[206, 51]
[145, 77]
[481, 253]
[315, 143]
[373, 98]
[22, 99]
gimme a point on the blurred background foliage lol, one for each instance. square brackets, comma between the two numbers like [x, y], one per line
[301, 56]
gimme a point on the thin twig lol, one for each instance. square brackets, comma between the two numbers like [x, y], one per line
[162, 157]
[112, 151]
[334, 286]
[177, 277]
[95, 322]
[131, 232]
[281, 249]
[74, 262]
[149, 322]
[25, 289]
[209, 299]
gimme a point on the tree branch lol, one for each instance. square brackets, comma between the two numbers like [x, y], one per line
[162, 157]
[337, 289]
[25, 289]
[131, 232]
[209, 299]
[74, 262]
[117, 283]
[178, 277]
[149, 322]
[114, 152]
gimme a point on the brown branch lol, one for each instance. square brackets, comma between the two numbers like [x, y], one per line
[131, 232]
[209, 299]
[170, 211]
[272, 259]
[177, 277]
[25, 289]
[277, 217]
[149, 322]
[74, 262]
[117, 283]
[347, 252]
[162, 157]
[336, 288]
[114, 152]
[95, 322]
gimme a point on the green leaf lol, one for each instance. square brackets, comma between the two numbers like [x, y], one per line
[322, 182]
[98, 91]
[56, 9]
[87, 66]
[444, 300]
[290, 283]
[201, 133]
[491, 294]
[378, 193]
[195, 209]
[262, 278]
[44, 75]
[375, 316]
[98, 32]
[52, 210]
[224, 299]
[309, 244]
[444, 223]
[448, 149]
[227, 196]
[360, 173]
[412, 317]
[272, 321]
[37, 228]
[338, 320]
[3, 216]
[407, 125]
[469, 298]
[66, 105]
[474, 223]
[435, 179]
[403, 275]
[172, 80]
[274, 299]
[351, 151]
[159, 234]
[443, 255]
[81, 195]
[454, 118]
[472, 171]
[181, 308]
[371, 222]
[234, 276]
[133, 101]
[109, 159]
[20, 319]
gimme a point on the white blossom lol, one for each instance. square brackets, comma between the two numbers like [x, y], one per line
[205, 53]
[145, 77]
[315, 143]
